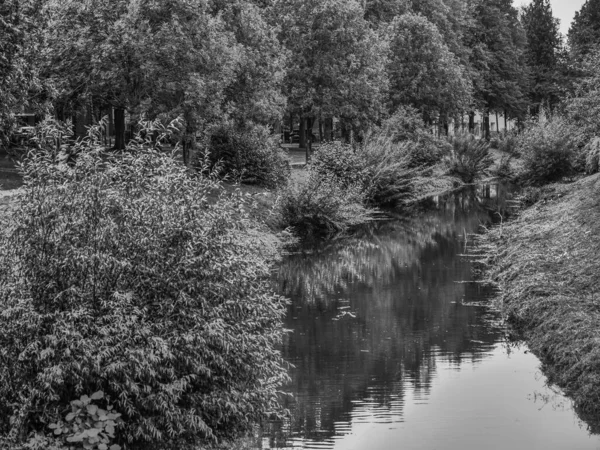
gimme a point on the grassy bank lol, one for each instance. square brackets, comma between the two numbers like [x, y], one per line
[546, 263]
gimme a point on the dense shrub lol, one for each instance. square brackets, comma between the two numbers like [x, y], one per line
[592, 152]
[341, 161]
[406, 125]
[250, 156]
[388, 176]
[469, 158]
[380, 167]
[548, 148]
[506, 141]
[119, 274]
[322, 205]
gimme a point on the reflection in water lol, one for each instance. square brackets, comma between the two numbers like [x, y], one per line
[393, 343]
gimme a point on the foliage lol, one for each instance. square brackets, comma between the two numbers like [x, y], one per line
[504, 169]
[423, 71]
[406, 124]
[323, 205]
[89, 424]
[498, 59]
[249, 155]
[380, 167]
[388, 174]
[584, 35]
[469, 157]
[122, 273]
[337, 67]
[543, 46]
[506, 141]
[592, 152]
[583, 108]
[340, 161]
[548, 149]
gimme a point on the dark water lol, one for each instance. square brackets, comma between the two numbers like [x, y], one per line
[394, 346]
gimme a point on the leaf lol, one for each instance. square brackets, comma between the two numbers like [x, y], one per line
[52, 426]
[75, 438]
[97, 395]
[115, 447]
[57, 431]
[102, 447]
[70, 417]
[92, 409]
[93, 432]
[84, 399]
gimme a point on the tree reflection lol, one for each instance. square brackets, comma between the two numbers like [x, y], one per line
[371, 317]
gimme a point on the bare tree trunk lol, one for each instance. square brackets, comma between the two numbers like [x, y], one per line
[320, 130]
[486, 125]
[328, 129]
[309, 126]
[119, 129]
[472, 122]
[302, 132]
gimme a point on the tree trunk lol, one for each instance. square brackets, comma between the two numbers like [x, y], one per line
[328, 125]
[472, 122]
[486, 125]
[309, 126]
[302, 132]
[320, 130]
[119, 129]
[505, 122]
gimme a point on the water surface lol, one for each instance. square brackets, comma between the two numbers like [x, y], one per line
[395, 346]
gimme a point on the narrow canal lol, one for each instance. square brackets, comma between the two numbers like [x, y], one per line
[395, 347]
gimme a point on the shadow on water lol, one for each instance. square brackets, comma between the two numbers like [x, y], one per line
[388, 325]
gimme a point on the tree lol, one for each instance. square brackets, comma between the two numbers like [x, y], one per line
[498, 58]
[384, 11]
[542, 51]
[19, 83]
[254, 95]
[423, 71]
[584, 33]
[337, 64]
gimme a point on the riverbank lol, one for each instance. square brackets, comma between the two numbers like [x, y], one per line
[546, 263]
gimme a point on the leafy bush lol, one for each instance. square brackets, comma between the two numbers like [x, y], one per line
[406, 125]
[334, 159]
[506, 141]
[592, 152]
[88, 424]
[122, 273]
[504, 168]
[548, 149]
[469, 158]
[388, 176]
[322, 205]
[251, 156]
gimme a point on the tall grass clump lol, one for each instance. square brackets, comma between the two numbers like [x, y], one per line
[250, 155]
[388, 174]
[548, 149]
[121, 273]
[469, 158]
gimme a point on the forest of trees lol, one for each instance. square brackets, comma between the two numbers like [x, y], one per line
[252, 62]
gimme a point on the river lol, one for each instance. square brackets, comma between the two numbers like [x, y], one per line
[394, 346]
